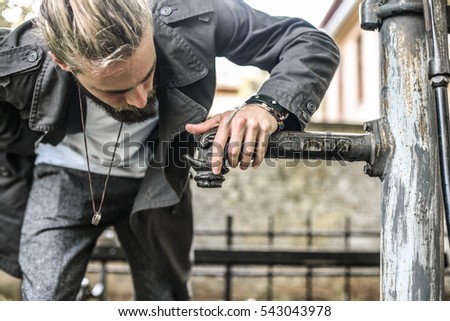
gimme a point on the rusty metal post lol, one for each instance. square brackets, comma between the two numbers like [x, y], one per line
[228, 288]
[412, 262]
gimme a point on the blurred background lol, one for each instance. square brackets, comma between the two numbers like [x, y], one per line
[290, 206]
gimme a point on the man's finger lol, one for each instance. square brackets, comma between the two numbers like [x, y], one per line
[260, 151]
[248, 148]
[201, 128]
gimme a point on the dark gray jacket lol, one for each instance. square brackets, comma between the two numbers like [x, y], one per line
[38, 102]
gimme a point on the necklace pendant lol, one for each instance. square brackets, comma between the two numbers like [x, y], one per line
[96, 218]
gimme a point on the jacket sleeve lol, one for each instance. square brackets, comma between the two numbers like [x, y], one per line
[300, 58]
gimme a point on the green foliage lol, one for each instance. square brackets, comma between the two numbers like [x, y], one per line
[5, 4]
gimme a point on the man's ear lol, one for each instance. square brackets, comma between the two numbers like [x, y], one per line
[57, 61]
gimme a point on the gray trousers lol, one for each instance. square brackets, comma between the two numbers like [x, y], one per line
[58, 238]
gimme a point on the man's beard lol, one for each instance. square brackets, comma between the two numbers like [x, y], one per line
[128, 114]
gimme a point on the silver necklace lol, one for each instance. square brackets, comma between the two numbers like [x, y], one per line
[97, 216]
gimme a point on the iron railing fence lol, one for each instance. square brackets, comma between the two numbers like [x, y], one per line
[233, 262]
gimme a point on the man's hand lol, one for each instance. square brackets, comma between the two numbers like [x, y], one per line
[248, 130]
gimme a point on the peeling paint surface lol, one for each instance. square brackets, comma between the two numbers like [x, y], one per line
[412, 237]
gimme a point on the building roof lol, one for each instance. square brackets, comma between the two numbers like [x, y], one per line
[337, 14]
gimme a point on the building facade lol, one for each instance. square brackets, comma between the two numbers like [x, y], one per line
[353, 96]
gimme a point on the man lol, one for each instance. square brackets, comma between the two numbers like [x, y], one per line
[100, 102]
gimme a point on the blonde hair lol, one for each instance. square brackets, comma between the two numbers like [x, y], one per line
[93, 33]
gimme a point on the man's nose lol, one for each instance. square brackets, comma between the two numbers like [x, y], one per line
[137, 97]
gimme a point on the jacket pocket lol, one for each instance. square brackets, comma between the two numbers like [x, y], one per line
[17, 60]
